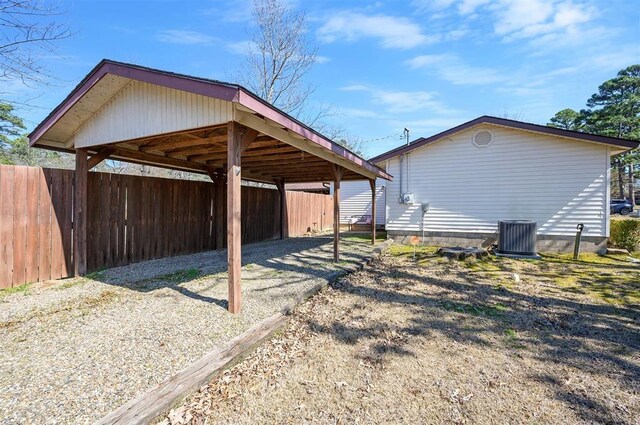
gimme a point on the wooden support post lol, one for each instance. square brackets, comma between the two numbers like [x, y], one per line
[372, 183]
[337, 177]
[234, 237]
[218, 179]
[80, 214]
[284, 219]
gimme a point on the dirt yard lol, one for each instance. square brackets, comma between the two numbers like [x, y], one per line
[431, 341]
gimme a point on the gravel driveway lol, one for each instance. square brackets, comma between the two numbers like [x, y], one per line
[76, 349]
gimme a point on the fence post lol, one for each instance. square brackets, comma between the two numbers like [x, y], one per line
[80, 214]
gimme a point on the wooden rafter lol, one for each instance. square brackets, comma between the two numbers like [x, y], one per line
[100, 156]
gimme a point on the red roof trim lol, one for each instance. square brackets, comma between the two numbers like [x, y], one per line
[485, 119]
[206, 87]
[256, 104]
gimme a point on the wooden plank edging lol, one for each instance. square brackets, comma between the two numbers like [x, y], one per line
[160, 399]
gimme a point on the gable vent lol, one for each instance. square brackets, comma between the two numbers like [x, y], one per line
[482, 138]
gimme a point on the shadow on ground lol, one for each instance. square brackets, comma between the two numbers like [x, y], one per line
[454, 302]
[288, 262]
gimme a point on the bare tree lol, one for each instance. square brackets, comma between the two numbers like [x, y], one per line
[29, 30]
[279, 56]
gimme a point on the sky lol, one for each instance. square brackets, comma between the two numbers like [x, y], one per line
[425, 65]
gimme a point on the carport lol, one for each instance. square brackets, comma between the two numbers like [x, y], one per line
[131, 113]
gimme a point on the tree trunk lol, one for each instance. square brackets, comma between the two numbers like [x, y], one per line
[632, 192]
[620, 182]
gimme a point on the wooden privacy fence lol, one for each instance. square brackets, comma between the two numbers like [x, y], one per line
[130, 219]
[308, 212]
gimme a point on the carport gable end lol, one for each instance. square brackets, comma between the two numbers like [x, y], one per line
[118, 103]
[142, 115]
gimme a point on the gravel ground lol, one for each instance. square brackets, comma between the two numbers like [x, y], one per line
[73, 350]
[496, 341]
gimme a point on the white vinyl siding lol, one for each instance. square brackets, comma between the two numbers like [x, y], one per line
[555, 181]
[142, 109]
[355, 199]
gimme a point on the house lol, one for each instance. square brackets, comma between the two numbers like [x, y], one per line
[355, 202]
[453, 188]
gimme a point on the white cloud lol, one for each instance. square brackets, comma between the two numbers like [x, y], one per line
[184, 37]
[241, 47]
[356, 87]
[393, 32]
[359, 113]
[235, 11]
[542, 22]
[431, 5]
[518, 19]
[403, 101]
[466, 7]
[451, 68]
[245, 46]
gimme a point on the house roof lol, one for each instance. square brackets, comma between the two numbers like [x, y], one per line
[621, 144]
[108, 77]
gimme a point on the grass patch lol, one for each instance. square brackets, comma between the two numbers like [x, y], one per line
[421, 252]
[360, 237]
[97, 275]
[486, 264]
[180, 276]
[513, 340]
[493, 310]
[587, 258]
[69, 284]
[22, 289]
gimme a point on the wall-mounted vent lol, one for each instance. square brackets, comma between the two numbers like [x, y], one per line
[482, 138]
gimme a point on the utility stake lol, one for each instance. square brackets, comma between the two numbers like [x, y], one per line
[576, 248]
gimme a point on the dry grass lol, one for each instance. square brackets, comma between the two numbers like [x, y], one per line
[432, 341]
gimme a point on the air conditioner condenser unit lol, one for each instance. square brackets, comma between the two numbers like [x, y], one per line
[406, 198]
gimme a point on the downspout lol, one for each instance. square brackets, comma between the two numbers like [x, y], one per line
[401, 185]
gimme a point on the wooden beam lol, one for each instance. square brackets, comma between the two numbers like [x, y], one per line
[160, 159]
[372, 183]
[248, 137]
[80, 214]
[261, 125]
[234, 237]
[148, 406]
[167, 143]
[196, 148]
[293, 158]
[337, 172]
[102, 154]
[257, 148]
[284, 216]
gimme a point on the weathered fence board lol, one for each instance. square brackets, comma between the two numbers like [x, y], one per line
[309, 212]
[130, 219]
